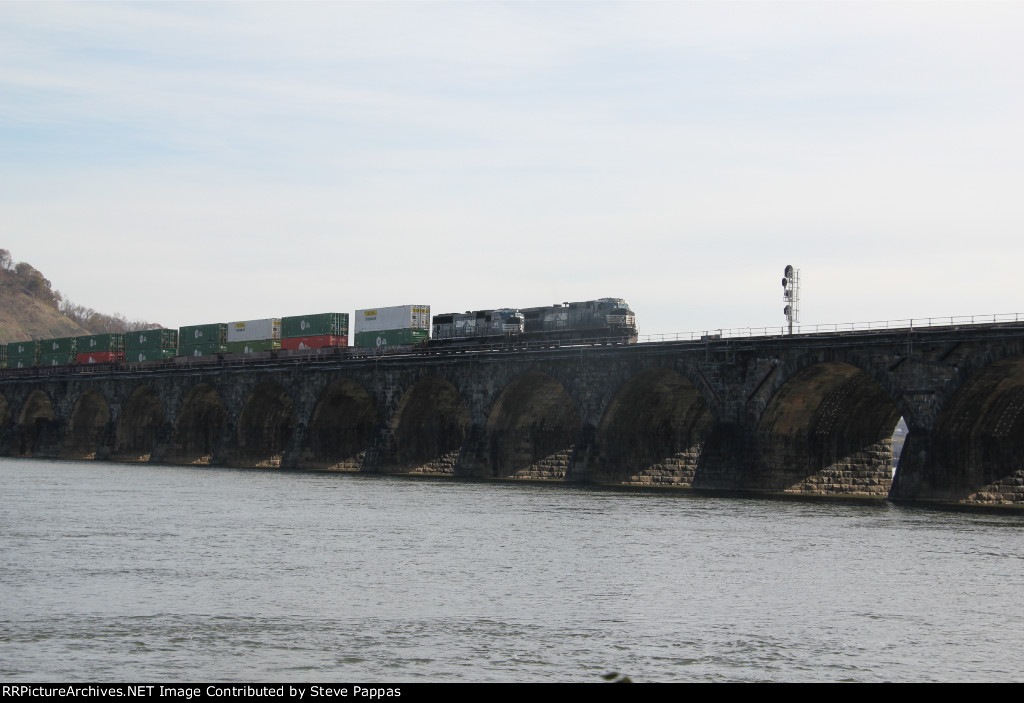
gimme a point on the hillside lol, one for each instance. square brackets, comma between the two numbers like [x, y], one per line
[23, 317]
[31, 309]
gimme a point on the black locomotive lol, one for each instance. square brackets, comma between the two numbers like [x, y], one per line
[597, 320]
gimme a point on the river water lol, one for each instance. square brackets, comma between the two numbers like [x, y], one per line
[120, 572]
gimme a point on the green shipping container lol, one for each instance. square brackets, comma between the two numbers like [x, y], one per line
[56, 359]
[20, 363]
[328, 323]
[259, 345]
[216, 333]
[150, 354]
[151, 339]
[100, 343]
[23, 350]
[61, 345]
[390, 338]
[3, 354]
[208, 349]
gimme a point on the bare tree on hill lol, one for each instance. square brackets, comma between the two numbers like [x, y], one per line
[30, 280]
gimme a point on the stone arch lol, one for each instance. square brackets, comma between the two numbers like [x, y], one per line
[828, 429]
[651, 431]
[198, 427]
[977, 446]
[88, 427]
[142, 422]
[342, 427]
[37, 428]
[430, 426]
[265, 425]
[532, 429]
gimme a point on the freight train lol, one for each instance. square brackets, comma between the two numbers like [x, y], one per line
[400, 328]
[606, 319]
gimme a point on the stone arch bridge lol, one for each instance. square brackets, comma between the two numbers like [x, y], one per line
[811, 414]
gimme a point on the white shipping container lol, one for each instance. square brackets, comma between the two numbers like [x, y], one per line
[254, 330]
[399, 317]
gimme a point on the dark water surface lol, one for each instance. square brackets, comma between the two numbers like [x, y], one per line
[115, 572]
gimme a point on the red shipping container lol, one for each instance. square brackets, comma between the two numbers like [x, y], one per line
[99, 357]
[326, 340]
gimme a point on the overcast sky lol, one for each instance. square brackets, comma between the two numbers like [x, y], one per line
[203, 162]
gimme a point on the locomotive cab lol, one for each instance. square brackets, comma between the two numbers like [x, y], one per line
[619, 317]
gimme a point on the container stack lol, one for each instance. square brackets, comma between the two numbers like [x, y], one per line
[22, 355]
[58, 352]
[151, 345]
[329, 329]
[98, 348]
[203, 340]
[401, 325]
[252, 336]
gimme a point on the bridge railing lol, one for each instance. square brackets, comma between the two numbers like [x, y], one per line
[835, 327]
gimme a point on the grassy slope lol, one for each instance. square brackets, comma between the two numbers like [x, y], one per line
[24, 317]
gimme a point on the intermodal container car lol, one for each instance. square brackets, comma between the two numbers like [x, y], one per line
[192, 335]
[151, 339]
[251, 347]
[316, 342]
[99, 357]
[398, 317]
[252, 330]
[334, 324]
[205, 349]
[154, 354]
[61, 345]
[390, 338]
[112, 342]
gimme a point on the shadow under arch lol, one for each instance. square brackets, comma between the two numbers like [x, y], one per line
[651, 431]
[430, 425]
[88, 427]
[5, 425]
[264, 426]
[532, 429]
[37, 432]
[976, 450]
[827, 430]
[198, 427]
[142, 422]
[341, 429]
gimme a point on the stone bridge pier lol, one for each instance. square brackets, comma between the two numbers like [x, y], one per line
[808, 414]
